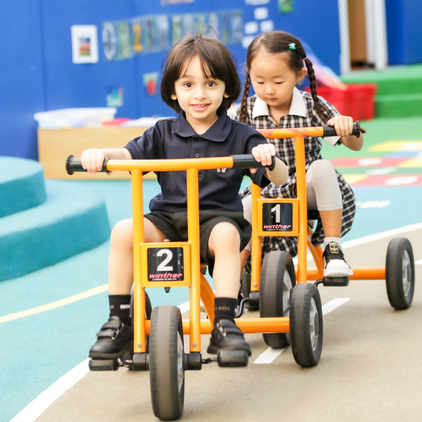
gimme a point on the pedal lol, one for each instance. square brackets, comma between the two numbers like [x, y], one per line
[103, 365]
[232, 358]
[335, 281]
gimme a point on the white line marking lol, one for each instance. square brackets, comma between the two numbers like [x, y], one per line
[333, 304]
[418, 262]
[377, 236]
[184, 307]
[49, 396]
[270, 354]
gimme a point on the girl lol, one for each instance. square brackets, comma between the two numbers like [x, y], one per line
[274, 65]
[200, 82]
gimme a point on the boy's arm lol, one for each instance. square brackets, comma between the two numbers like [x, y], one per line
[264, 154]
[93, 159]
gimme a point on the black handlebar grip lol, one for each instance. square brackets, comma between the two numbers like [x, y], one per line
[75, 164]
[330, 130]
[245, 161]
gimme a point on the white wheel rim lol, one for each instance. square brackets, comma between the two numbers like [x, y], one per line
[406, 273]
[313, 324]
[180, 373]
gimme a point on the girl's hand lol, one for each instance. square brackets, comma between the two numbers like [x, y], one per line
[92, 160]
[263, 153]
[342, 124]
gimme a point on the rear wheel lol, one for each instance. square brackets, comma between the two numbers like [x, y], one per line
[306, 324]
[277, 280]
[400, 273]
[167, 376]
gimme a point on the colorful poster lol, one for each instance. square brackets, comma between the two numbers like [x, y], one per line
[213, 22]
[109, 41]
[200, 22]
[188, 25]
[150, 83]
[163, 29]
[226, 27]
[123, 40]
[149, 34]
[115, 96]
[237, 27]
[84, 44]
[136, 30]
[285, 6]
[176, 28]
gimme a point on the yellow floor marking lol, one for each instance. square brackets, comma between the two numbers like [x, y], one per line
[54, 305]
[412, 163]
[397, 146]
[354, 178]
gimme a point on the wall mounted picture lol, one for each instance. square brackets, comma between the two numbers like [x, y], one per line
[150, 83]
[137, 40]
[109, 41]
[123, 38]
[84, 44]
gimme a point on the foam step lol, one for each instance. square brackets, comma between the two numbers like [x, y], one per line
[398, 105]
[396, 80]
[72, 220]
[21, 185]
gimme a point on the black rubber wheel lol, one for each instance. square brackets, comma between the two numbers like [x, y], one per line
[400, 273]
[277, 280]
[148, 306]
[167, 376]
[306, 324]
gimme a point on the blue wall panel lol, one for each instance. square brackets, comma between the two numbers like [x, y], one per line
[404, 35]
[21, 77]
[37, 73]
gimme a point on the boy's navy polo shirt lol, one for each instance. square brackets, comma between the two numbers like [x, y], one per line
[174, 138]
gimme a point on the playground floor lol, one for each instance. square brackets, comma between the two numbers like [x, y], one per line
[367, 344]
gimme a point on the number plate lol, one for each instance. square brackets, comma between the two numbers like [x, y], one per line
[277, 217]
[165, 264]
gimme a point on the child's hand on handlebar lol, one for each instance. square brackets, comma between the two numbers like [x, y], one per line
[342, 124]
[92, 160]
[264, 154]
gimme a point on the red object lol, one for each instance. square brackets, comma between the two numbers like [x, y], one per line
[357, 100]
[116, 122]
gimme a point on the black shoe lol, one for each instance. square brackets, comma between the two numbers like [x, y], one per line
[335, 264]
[113, 341]
[226, 335]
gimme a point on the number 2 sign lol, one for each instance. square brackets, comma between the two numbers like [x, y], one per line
[165, 264]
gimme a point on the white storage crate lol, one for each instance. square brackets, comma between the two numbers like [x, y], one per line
[74, 117]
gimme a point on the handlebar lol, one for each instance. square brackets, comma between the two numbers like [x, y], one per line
[307, 131]
[75, 164]
[235, 161]
[330, 130]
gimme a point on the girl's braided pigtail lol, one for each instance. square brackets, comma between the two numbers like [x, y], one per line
[243, 113]
[312, 85]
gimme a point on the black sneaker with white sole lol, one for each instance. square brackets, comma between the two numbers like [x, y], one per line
[335, 264]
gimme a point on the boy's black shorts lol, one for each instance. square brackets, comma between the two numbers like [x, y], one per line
[174, 225]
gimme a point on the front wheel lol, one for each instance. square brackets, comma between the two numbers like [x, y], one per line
[306, 324]
[167, 376]
[400, 273]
